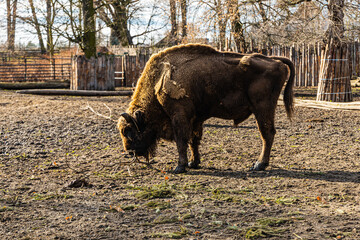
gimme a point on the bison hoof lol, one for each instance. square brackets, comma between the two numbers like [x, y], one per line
[180, 169]
[259, 166]
[194, 165]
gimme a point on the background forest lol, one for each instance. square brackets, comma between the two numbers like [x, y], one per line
[237, 24]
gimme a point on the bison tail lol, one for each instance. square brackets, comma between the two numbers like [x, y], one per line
[288, 92]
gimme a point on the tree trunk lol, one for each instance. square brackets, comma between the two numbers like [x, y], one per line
[49, 23]
[221, 22]
[183, 5]
[37, 27]
[237, 29]
[11, 24]
[89, 36]
[335, 30]
[334, 78]
[173, 32]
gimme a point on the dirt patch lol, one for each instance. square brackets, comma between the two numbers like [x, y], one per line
[62, 177]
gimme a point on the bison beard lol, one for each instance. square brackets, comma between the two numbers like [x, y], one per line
[185, 85]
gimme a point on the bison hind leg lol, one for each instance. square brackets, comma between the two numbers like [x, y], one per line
[265, 121]
[259, 166]
[194, 145]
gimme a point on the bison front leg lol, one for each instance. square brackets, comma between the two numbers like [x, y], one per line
[267, 129]
[182, 131]
[194, 146]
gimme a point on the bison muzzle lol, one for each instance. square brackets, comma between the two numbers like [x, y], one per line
[185, 85]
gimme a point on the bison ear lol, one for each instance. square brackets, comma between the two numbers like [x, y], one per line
[232, 61]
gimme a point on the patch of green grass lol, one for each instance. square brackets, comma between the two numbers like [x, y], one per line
[243, 190]
[166, 219]
[266, 227]
[194, 186]
[44, 197]
[172, 235]
[20, 157]
[158, 205]
[129, 207]
[186, 216]
[295, 213]
[262, 232]
[157, 191]
[273, 222]
[222, 195]
[286, 201]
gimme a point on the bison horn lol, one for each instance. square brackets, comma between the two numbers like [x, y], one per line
[130, 119]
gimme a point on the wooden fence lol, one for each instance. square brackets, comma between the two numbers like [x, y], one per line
[93, 74]
[35, 69]
[127, 69]
[307, 60]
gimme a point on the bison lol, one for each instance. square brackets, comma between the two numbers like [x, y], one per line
[185, 85]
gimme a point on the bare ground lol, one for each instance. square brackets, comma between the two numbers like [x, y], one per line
[310, 191]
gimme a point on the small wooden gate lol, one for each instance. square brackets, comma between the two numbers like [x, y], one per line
[128, 69]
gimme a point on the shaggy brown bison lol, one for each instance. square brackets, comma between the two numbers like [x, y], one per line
[185, 85]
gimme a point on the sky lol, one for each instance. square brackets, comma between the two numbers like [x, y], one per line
[25, 33]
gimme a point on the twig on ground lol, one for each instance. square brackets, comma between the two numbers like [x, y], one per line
[101, 115]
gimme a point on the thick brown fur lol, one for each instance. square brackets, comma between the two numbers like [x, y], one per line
[183, 86]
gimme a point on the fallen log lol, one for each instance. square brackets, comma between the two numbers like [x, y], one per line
[33, 85]
[74, 92]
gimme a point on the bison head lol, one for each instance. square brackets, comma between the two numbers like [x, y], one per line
[136, 137]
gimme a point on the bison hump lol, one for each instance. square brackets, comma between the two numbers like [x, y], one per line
[167, 85]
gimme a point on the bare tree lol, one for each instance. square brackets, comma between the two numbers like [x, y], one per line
[174, 26]
[41, 15]
[222, 19]
[183, 6]
[50, 16]
[216, 17]
[120, 16]
[37, 26]
[115, 14]
[11, 7]
[237, 27]
[89, 33]
[336, 27]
